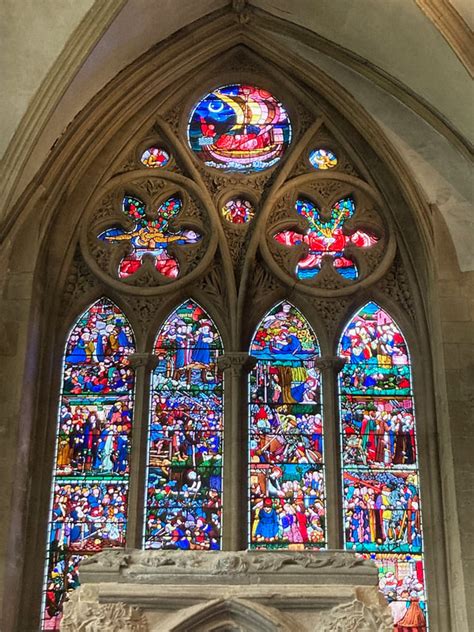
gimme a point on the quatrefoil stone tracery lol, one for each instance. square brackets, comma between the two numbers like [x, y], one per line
[151, 237]
[326, 238]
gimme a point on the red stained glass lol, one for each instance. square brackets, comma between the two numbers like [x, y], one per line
[90, 485]
[184, 475]
[238, 211]
[326, 238]
[381, 493]
[287, 496]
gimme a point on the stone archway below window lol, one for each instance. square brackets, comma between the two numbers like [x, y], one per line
[151, 591]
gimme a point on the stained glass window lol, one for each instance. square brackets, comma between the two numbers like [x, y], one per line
[382, 510]
[155, 157]
[239, 128]
[91, 468]
[287, 495]
[238, 210]
[151, 237]
[184, 471]
[325, 238]
[323, 159]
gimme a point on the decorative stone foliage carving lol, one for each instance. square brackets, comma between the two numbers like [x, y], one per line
[220, 562]
[84, 613]
[79, 283]
[396, 285]
[356, 615]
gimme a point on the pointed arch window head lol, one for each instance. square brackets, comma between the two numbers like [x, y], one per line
[91, 468]
[151, 237]
[381, 494]
[325, 237]
[239, 128]
[286, 471]
[184, 471]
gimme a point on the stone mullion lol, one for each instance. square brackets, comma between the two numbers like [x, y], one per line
[235, 367]
[329, 367]
[143, 363]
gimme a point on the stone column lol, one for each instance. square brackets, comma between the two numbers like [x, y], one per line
[235, 366]
[330, 367]
[143, 363]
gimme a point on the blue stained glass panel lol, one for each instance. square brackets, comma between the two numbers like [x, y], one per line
[91, 468]
[381, 492]
[185, 450]
[239, 128]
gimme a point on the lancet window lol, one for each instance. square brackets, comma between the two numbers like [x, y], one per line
[239, 235]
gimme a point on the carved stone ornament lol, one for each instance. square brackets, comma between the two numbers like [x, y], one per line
[237, 363]
[356, 615]
[133, 562]
[84, 613]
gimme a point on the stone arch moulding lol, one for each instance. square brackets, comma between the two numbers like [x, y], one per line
[79, 171]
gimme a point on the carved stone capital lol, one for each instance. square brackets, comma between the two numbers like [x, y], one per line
[331, 363]
[147, 360]
[236, 362]
[84, 613]
[356, 615]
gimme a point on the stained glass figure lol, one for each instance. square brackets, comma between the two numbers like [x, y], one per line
[323, 159]
[239, 128]
[91, 469]
[155, 157]
[150, 237]
[238, 210]
[184, 473]
[381, 493]
[325, 238]
[286, 470]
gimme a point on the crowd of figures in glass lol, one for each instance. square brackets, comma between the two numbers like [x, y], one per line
[325, 237]
[382, 510]
[240, 128]
[151, 237]
[184, 475]
[287, 497]
[90, 485]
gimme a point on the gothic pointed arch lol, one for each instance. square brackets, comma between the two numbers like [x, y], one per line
[285, 435]
[379, 460]
[183, 505]
[89, 493]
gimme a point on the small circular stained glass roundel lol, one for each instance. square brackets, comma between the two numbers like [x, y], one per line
[238, 210]
[323, 159]
[239, 128]
[154, 157]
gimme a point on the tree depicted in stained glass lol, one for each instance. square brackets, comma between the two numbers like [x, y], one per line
[91, 468]
[239, 128]
[184, 473]
[381, 492]
[238, 210]
[150, 237]
[286, 472]
[325, 237]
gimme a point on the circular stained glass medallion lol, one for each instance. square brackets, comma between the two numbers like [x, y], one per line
[239, 128]
[323, 159]
[154, 157]
[238, 210]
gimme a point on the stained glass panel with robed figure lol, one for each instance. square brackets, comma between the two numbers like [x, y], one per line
[91, 469]
[286, 467]
[381, 489]
[184, 474]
